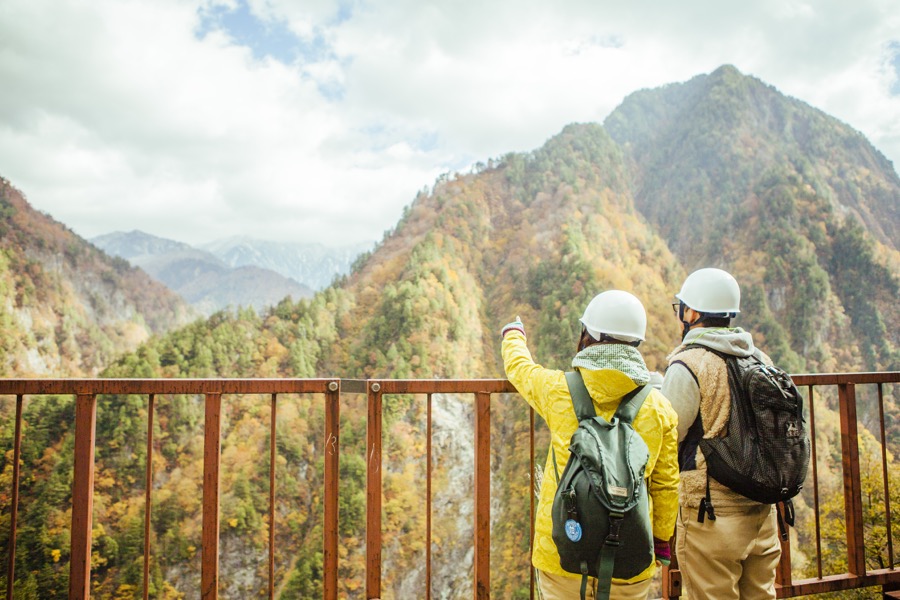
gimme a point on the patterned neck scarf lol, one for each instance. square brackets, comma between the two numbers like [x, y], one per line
[620, 357]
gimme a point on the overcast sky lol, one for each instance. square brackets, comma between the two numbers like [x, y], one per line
[319, 120]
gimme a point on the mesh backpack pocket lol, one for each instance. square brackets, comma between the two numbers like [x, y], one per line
[765, 452]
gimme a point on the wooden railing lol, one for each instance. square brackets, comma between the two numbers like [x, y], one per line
[86, 392]
[857, 575]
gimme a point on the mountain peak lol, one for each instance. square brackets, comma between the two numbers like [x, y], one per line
[136, 243]
[726, 71]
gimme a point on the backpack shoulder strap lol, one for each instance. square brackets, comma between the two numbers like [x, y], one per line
[724, 355]
[584, 406]
[718, 353]
[581, 399]
[631, 403]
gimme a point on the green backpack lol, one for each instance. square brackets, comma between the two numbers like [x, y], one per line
[601, 516]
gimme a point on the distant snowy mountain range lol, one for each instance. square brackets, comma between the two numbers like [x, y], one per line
[233, 272]
[313, 265]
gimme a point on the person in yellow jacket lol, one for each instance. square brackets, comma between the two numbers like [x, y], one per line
[614, 324]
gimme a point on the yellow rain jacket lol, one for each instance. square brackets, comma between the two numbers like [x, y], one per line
[546, 391]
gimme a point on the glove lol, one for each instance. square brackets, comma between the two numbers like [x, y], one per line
[662, 551]
[514, 326]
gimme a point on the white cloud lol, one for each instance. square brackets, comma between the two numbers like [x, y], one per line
[124, 114]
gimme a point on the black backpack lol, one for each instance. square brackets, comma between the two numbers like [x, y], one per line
[764, 454]
[601, 518]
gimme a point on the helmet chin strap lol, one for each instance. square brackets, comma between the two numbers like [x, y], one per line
[685, 326]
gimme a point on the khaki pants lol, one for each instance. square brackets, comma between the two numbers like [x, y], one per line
[732, 557]
[559, 587]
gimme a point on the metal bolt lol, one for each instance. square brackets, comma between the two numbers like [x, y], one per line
[376, 387]
[333, 386]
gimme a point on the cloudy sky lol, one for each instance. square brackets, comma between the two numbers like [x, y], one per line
[319, 120]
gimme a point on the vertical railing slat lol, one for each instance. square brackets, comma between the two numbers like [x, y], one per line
[373, 492]
[428, 467]
[815, 473]
[532, 501]
[856, 550]
[148, 487]
[273, 418]
[482, 496]
[332, 465]
[885, 479]
[783, 568]
[14, 505]
[209, 567]
[82, 497]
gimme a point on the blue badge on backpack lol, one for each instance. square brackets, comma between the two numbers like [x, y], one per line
[573, 530]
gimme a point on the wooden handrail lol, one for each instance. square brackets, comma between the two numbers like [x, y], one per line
[89, 393]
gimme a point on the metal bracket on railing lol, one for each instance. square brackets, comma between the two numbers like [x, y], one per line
[671, 583]
[354, 386]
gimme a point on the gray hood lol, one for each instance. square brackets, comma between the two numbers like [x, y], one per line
[730, 340]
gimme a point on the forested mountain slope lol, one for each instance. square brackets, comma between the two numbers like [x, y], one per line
[67, 309]
[535, 235]
[799, 206]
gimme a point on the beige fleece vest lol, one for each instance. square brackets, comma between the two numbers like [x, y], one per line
[715, 408]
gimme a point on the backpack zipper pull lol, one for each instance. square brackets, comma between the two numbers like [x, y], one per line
[572, 526]
[706, 505]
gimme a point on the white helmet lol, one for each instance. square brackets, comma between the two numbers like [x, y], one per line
[617, 314]
[711, 291]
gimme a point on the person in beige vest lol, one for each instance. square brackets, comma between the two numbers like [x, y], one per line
[727, 545]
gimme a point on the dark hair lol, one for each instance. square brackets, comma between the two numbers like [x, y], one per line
[715, 321]
[587, 339]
